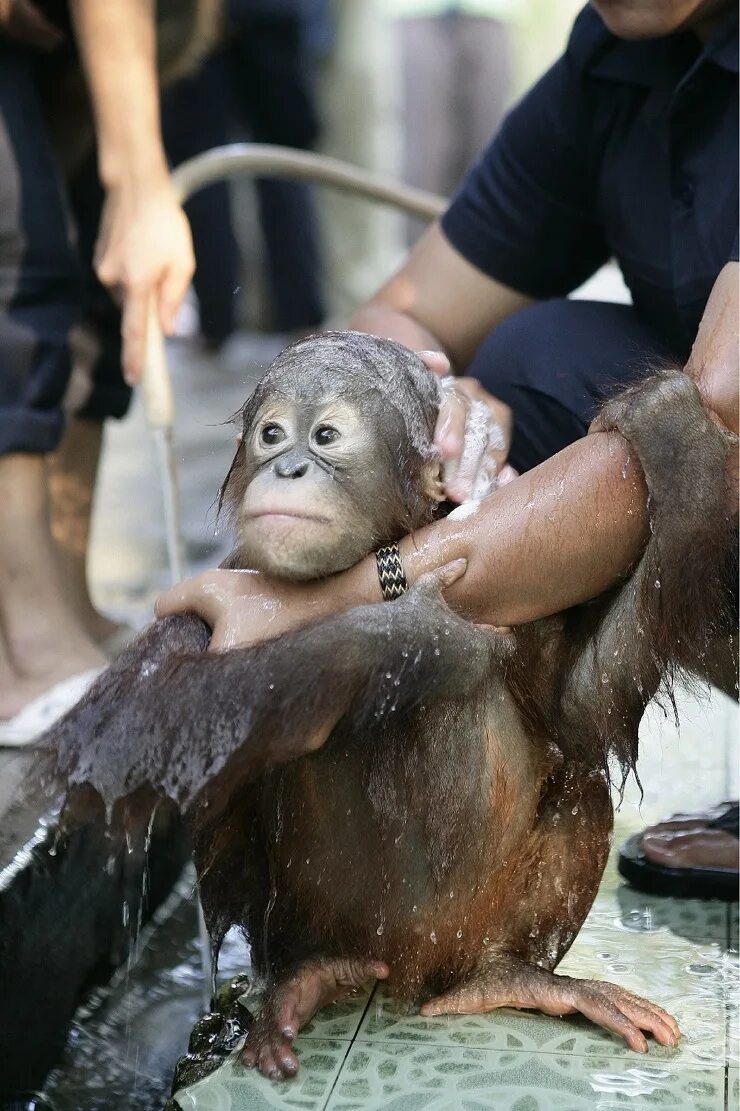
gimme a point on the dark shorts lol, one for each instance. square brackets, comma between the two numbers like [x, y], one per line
[48, 292]
[555, 362]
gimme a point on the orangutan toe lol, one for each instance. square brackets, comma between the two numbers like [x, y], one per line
[293, 1002]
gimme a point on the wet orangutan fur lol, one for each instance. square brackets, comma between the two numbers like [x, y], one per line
[456, 823]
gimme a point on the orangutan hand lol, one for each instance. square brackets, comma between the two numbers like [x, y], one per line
[473, 434]
[24, 21]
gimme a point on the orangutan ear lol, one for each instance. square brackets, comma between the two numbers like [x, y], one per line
[431, 482]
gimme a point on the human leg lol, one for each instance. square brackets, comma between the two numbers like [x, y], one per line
[554, 363]
[273, 87]
[43, 640]
[195, 117]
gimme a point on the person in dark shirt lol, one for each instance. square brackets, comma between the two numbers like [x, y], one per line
[625, 149]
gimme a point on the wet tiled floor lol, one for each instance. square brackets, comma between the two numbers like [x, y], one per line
[364, 1054]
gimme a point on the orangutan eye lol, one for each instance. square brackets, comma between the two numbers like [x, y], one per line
[271, 434]
[325, 434]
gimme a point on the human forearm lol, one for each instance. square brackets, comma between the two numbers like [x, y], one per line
[118, 48]
[438, 300]
[383, 320]
[559, 535]
[144, 251]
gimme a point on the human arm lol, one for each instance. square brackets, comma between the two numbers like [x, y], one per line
[559, 535]
[144, 250]
[440, 305]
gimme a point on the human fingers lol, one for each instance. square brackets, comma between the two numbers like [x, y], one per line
[436, 361]
[134, 322]
[175, 282]
[506, 474]
[171, 294]
[202, 595]
[449, 434]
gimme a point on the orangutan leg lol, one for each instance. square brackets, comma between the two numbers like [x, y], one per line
[511, 982]
[293, 1002]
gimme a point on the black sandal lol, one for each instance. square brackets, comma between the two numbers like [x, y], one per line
[682, 883]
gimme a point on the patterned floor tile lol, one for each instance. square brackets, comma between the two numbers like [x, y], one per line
[234, 1088]
[624, 909]
[385, 1076]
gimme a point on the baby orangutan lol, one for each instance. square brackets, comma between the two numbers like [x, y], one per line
[451, 833]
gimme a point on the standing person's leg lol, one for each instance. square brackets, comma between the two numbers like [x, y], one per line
[43, 641]
[195, 114]
[274, 90]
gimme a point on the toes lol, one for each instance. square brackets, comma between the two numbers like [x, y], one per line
[648, 1016]
[274, 1058]
[608, 1015]
[354, 973]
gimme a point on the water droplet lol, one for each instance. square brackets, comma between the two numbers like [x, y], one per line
[604, 677]
[436, 651]
[657, 584]
[414, 908]
[459, 934]
[380, 929]
[308, 860]
[433, 937]
[574, 810]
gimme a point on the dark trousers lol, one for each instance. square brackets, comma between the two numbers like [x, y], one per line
[261, 79]
[555, 363]
[48, 291]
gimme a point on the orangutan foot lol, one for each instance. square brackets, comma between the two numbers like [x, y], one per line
[293, 1002]
[510, 982]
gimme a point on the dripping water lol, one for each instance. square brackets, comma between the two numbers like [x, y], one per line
[273, 871]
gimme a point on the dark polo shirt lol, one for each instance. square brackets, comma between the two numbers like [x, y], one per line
[623, 149]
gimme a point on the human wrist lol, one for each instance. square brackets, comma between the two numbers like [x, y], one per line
[130, 167]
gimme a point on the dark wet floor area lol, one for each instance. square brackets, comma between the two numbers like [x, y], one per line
[125, 1042]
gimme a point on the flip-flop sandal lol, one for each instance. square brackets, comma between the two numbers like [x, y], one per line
[39, 715]
[682, 883]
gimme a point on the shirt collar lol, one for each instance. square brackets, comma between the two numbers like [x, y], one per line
[662, 63]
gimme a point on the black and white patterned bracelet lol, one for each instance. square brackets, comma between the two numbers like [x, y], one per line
[390, 572]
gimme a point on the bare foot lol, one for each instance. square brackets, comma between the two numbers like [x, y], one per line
[293, 1002]
[692, 848]
[510, 982]
[21, 685]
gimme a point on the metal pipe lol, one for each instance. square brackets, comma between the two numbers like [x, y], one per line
[266, 160]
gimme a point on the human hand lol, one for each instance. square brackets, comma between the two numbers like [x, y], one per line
[244, 607]
[144, 251]
[473, 434]
[24, 21]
